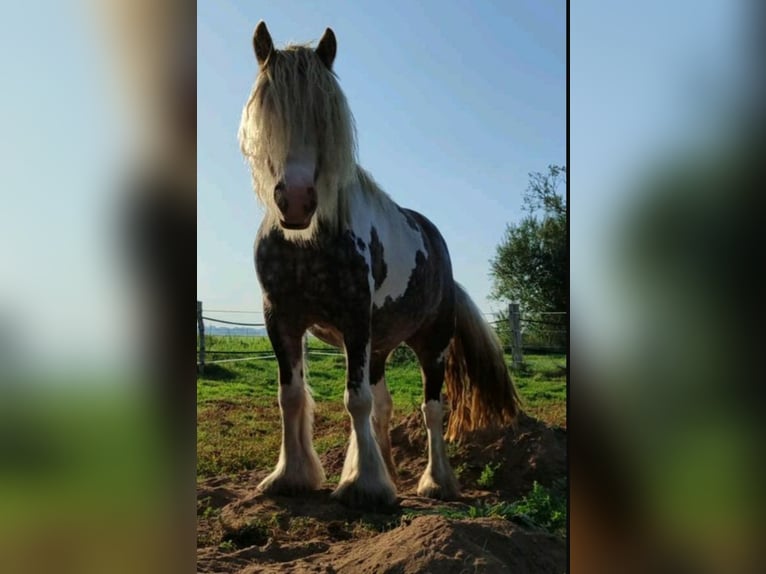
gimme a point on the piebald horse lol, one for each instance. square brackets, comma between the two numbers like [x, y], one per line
[337, 257]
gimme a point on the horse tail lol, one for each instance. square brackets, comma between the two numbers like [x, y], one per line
[479, 386]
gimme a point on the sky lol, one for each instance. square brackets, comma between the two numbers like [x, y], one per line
[61, 286]
[455, 104]
[647, 84]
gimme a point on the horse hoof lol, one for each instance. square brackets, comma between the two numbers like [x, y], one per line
[352, 493]
[430, 489]
[280, 483]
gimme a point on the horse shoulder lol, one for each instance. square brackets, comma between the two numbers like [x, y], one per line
[395, 245]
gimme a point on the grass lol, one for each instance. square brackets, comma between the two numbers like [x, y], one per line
[238, 417]
[542, 387]
[542, 508]
[74, 457]
[487, 478]
[238, 430]
[256, 380]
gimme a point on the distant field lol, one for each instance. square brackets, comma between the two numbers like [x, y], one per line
[238, 424]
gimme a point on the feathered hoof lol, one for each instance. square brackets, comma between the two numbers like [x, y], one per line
[279, 482]
[430, 489]
[358, 495]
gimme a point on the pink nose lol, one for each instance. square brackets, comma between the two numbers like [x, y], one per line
[297, 205]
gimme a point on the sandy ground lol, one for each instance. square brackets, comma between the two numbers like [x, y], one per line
[313, 533]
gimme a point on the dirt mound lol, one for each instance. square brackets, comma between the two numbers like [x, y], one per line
[438, 544]
[532, 451]
[246, 532]
[427, 544]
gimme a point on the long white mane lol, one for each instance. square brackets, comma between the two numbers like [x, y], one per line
[296, 101]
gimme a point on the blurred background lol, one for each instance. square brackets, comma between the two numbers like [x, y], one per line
[666, 249]
[666, 257]
[97, 256]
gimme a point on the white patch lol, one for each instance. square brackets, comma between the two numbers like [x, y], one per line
[438, 480]
[381, 403]
[299, 170]
[382, 407]
[400, 242]
[442, 355]
[298, 466]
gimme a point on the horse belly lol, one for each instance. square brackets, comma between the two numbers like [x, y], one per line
[327, 334]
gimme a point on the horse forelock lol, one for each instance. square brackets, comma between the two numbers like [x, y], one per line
[296, 101]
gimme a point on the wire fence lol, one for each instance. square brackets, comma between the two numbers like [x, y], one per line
[234, 322]
[513, 322]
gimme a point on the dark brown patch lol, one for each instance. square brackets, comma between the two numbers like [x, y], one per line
[407, 214]
[285, 337]
[327, 48]
[262, 43]
[379, 268]
[325, 283]
[280, 198]
[312, 204]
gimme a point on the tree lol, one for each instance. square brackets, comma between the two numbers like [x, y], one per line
[530, 265]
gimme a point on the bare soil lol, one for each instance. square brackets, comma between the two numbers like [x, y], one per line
[241, 531]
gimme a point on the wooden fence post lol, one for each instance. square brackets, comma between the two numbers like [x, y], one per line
[514, 317]
[201, 329]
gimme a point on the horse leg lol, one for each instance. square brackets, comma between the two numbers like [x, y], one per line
[382, 407]
[298, 468]
[364, 480]
[430, 345]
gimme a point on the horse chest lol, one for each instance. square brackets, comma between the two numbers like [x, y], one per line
[327, 280]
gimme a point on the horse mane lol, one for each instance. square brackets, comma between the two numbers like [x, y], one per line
[296, 98]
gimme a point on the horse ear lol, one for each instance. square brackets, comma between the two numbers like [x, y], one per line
[262, 43]
[327, 48]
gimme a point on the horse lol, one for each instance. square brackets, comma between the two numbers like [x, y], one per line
[337, 257]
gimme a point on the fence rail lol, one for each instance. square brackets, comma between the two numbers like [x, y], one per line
[234, 322]
[514, 318]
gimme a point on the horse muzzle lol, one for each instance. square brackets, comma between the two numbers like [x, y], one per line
[297, 205]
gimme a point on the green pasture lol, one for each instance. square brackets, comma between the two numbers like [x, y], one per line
[238, 417]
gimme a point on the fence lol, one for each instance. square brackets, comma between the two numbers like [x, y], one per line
[515, 322]
[540, 324]
[251, 355]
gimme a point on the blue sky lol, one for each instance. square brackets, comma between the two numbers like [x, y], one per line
[647, 83]
[62, 283]
[455, 103]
